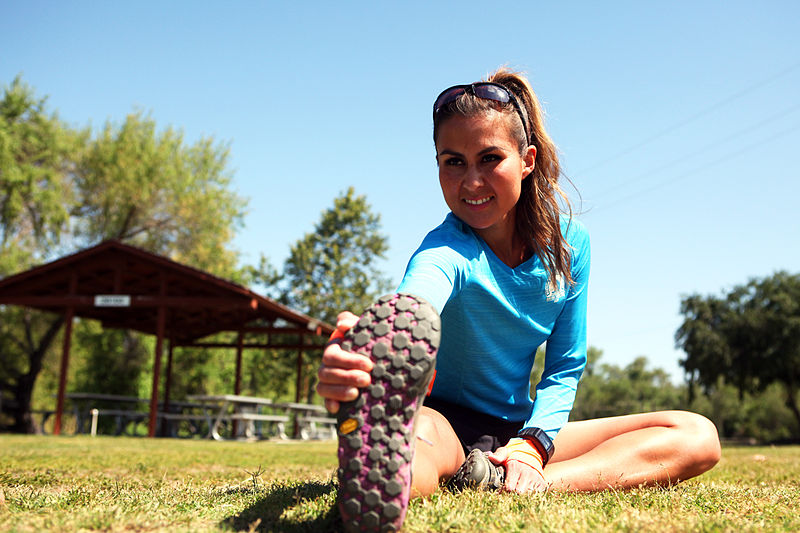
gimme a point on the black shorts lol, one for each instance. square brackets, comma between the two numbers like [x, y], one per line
[473, 428]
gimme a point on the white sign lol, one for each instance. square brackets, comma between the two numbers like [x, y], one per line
[112, 300]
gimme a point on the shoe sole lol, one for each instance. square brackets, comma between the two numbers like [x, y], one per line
[400, 334]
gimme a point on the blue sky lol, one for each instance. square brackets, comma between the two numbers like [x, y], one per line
[678, 122]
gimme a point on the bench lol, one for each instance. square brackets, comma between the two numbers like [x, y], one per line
[250, 430]
[122, 417]
[195, 422]
[317, 427]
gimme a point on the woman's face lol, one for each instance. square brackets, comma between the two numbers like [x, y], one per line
[481, 172]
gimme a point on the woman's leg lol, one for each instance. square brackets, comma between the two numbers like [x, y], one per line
[438, 453]
[627, 451]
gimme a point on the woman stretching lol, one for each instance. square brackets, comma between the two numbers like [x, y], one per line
[506, 271]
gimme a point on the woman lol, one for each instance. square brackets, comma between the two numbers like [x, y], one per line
[507, 271]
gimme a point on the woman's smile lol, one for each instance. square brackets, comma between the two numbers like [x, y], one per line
[479, 201]
[481, 173]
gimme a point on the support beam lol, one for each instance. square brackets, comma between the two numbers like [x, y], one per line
[298, 392]
[237, 386]
[62, 376]
[251, 345]
[168, 380]
[151, 428]
[84, 301]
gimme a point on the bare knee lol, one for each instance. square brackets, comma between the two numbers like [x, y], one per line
[437, 438]
[699, 446]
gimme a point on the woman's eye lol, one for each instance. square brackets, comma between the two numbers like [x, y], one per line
[453, 161]
[488, 158]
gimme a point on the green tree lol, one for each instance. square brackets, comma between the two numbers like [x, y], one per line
[333, 268]
[151, 189]
[609, 390]
[62, 189]
[750, 337]
[36, 161]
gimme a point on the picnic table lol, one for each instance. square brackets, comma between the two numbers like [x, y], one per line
[313, 421]
[220, 416]
[126, 410]
[230, 409]
[130, 411]
[264, 418]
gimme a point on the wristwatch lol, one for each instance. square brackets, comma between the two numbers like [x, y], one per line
[540, 441]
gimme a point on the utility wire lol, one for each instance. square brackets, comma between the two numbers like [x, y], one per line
[727, 157]
[690, 119]
[706, 148]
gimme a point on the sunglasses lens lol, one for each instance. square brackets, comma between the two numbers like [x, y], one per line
[447, 96]
[491, 92]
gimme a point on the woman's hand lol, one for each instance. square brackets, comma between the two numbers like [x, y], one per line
[342, 373]
[524, 470]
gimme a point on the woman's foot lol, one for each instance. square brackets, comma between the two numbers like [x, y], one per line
[479, 473]
[400, 334]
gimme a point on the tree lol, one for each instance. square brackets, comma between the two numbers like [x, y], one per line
[333, 268]
[36, 159]
[62, 189]
[749, 337]
[35, 162]
[608, 390]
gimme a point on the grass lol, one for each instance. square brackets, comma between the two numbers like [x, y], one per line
[136, 484]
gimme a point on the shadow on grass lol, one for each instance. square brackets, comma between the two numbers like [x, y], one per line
[266, 514]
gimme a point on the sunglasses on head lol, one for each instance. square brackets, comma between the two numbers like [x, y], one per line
[485, 90]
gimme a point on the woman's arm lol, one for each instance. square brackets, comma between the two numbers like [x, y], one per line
[565, 355]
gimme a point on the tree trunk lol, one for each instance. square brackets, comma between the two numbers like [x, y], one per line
[791, 403]
[23, 389]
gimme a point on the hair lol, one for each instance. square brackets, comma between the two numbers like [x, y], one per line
[538, 214]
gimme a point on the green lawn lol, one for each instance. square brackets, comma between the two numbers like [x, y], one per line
[136, 484]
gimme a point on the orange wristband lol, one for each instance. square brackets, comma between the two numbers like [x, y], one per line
[524, 451]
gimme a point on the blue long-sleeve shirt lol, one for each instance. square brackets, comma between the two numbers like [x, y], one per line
[494, 318]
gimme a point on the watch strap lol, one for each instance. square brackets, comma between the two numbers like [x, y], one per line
[540, 440]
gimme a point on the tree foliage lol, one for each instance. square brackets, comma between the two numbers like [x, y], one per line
[150, 189]
[610, 390]
[749, 337]
[63, 189]
[334, 268]
[36, 158]
[331, 269]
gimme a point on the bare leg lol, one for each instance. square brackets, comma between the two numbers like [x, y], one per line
[438, 453]
[626, 451]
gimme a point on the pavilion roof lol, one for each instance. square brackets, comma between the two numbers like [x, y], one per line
[123, 286]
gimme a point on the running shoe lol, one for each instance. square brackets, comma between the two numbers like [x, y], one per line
[400, 334]
[477, 472]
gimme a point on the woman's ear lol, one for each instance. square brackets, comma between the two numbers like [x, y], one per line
[529, 160]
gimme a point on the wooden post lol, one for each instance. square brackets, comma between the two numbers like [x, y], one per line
[298, 391]
[151, 428]
[237, 385]
[298, 395]
[62, 377]
[168, 384]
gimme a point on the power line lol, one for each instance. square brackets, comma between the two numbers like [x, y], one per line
[727, 157]
[690, 119]
[706, 148]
